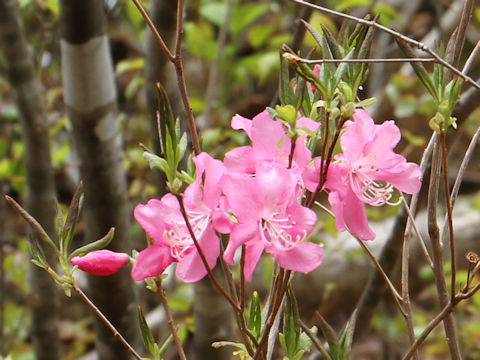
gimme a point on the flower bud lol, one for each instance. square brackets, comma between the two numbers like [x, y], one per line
[101, 262]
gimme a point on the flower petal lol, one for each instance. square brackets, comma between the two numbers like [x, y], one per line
[151, 261]
[191, 268]
[304, 257]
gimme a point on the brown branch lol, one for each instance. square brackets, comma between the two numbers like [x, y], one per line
[171, 322]
[106, 321]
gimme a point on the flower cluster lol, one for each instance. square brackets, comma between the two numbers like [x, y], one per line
[254, 195]
[257, 195]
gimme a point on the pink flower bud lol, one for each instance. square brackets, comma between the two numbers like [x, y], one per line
[101, 262]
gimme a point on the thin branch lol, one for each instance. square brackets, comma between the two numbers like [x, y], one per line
[105, 320]
[471, 58]
[176, 60]
[337, 61]
[417, 232]
[453, 259]
[156, 34]
[446, 311]
[385, 277]
[171, 322]
[437, 251]
[394, 33]
[318, 345]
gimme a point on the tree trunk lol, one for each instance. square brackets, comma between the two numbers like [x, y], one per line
[90, 100]
[40, 193]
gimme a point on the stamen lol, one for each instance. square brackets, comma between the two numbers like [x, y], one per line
[372, 192]
[274, 231]
[179, 237]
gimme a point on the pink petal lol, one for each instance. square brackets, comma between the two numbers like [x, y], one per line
[191, 268]
[304, 257]
[239, 189]
[406, 177]
[240, 159]
[241, 123]
[301, 156]
[357, 134]
[308, 123]
[253, 252]
[269, 140]
[151, 261]
[155, 216]
[355, 217]
[241, 234]
[101, 262]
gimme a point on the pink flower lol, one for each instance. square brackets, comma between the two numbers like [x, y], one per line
[270, 219]
[269, 143]
[101, 262]
[163, 222]
[367, 172]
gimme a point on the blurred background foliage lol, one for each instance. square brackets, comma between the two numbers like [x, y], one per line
[248, 65]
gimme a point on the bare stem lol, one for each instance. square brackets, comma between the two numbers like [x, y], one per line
[176, 60]
[446, 311]
[105, 320]
[171, 322]
[437, 252]
[443, 147]
[318, 345]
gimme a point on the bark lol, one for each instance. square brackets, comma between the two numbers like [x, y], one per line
[40, 193]
[90, 100]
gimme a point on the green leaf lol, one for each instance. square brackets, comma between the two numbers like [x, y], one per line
[347, 337]
[72, 216]
[34, 224]
[255, 319]
[420, 70]
[330, 336]
[147, 336]
[96, 245]
[166, 344]
[291, 329]
[166, 120]
[155, 161]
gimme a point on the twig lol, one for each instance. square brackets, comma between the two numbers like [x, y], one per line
[171, 322]
[461, 173]
[417, 232]
[448, 203]
[437, 252]
[105, 320]
[379, 60]
[471, 58]
[176, 60]
[446, 311]
[385, 277]
[394, 33]
[315, 340]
